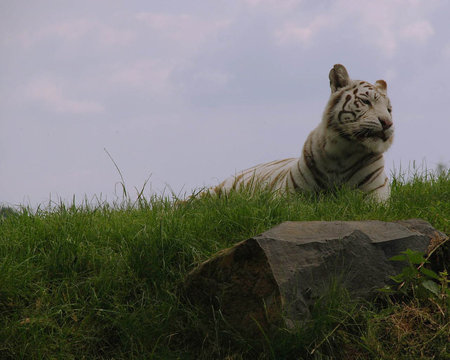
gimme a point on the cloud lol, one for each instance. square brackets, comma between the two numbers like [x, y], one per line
[150, 74]
[292, 32]
[212, 78]
[375, 22]
[184, 28]
[417, 31]
[274, 4]
[446, 51]
[383, 24]
[49, 93]
[77, 30]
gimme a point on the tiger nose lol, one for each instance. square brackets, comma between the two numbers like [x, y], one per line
[385, 123]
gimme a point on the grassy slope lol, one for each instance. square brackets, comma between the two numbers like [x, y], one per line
[101, 282]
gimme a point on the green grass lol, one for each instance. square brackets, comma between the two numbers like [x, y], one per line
[100, 281]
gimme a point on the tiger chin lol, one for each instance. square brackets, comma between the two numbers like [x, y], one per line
[345, 149]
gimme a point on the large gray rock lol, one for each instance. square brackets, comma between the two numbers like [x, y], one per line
[274, 278]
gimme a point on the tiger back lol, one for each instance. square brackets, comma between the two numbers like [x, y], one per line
[346, 148]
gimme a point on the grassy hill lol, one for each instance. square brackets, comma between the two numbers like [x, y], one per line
[100, 281]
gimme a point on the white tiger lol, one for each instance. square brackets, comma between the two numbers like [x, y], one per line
[346, 148]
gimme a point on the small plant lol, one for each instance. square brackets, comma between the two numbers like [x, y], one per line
[421, 281]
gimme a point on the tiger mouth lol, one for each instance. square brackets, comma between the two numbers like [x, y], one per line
[382, 135]
[373, 134]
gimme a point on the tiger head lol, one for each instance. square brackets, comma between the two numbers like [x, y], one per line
[359, 112]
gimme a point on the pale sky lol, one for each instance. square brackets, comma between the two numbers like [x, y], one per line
[186, 93]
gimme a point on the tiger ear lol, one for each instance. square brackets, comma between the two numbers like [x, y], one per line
[381, 86]
[338, 77]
